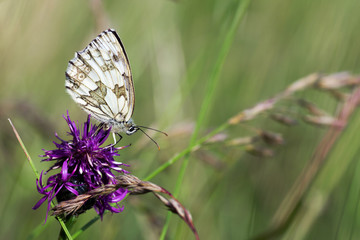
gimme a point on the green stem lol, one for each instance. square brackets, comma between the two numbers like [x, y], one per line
[69, 224]
[187, 150]
[64, 228]
[210, 90]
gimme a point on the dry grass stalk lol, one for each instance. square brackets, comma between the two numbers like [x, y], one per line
[333, 84]
[329, 83]
[289, 206]
[135, 186]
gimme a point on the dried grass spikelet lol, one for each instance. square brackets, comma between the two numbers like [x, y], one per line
[284, 119]
[335, 84]
[271, 137]
[240, 141]
[135, 186]
[337, 80]
[323, 120]
[330, 83]
[259, 151]
[312, 108]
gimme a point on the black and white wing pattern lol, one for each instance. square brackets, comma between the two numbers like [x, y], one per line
[99, 79]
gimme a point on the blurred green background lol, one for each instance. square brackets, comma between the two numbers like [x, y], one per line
[173, 47]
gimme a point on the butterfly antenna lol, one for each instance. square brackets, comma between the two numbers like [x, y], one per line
[153, 129]
[150, 138]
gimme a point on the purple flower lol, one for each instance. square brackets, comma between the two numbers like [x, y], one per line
[84, 165]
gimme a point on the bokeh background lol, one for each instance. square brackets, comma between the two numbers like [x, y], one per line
[173, 47]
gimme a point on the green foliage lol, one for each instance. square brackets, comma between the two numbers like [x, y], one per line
[174, 48]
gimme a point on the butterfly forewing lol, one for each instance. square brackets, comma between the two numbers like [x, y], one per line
[99, 79]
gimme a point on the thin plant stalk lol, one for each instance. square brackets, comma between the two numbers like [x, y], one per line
[62, 223]
[309, 183]
[210, 90]
[333, 169]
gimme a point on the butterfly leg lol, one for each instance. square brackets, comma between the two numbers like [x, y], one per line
[120, 137]
[116, 141]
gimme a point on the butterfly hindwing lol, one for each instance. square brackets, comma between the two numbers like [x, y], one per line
[99, 79]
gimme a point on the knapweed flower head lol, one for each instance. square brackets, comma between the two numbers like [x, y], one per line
[84, 165]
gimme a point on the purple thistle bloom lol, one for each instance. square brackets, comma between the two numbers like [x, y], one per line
[85, 165]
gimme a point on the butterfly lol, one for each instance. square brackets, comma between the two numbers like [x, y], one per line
[99, 79]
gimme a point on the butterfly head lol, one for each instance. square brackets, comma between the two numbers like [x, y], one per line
[131, 128]
[127, 127]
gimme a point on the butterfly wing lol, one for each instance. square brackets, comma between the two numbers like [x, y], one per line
[99, 79]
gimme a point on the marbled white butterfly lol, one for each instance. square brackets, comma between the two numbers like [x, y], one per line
[99, 79]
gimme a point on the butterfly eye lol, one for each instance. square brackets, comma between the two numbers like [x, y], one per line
[131, 130]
